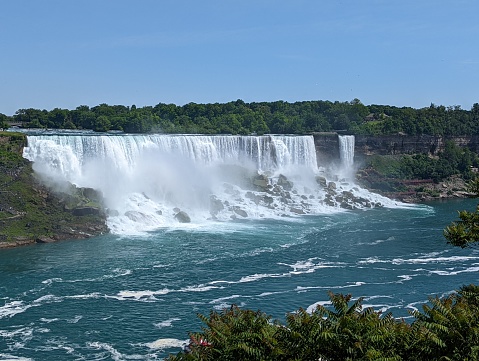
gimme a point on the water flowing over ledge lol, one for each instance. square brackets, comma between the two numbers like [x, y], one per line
[153, 181]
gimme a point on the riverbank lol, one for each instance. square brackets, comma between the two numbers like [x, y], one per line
[414, 190]
[32, 213]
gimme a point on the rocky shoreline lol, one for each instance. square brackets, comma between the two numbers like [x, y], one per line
[415, 190]
[75, 215]
[32, 213]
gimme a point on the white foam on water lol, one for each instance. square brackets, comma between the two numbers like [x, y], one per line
[199, 288]
[93, 295]
[454, 273]
[49, 320]
[165, 343]
[225, 305]
[166, 323]
[405, 278]
[310, 266]
[376, 242]
[377, 296]
[75, 319]
[257, 277]
[149, 296]
[312, 308]
[454, 259]
[7, 357]
[13, 308]
[52, 280]
[140, 295]
[24, 332]
[115, 273]
[113, 352]
[222, 299]
[265, 294]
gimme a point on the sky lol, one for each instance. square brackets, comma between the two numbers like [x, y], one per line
[67, 53]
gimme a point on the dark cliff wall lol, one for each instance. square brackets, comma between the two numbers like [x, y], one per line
[327, 145]
[327, 148]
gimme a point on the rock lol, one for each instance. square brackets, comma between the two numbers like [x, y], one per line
[86, 211]
[112, 212]
[329, 201]
[297, 210]
[135, 216]
[92, 194]
[267, 199]
[321, 181]
[182, 217]
[346, 205]
[216, 205]
[332, 186]
[285, 183]
[261, 181]
[250, 195]
[277, 189]
[255, 198]
[44, 239]
[240, 212]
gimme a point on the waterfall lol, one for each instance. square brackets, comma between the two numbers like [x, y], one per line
[346, 150]
[147, 180]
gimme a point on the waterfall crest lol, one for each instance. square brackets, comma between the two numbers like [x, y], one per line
[152, 181]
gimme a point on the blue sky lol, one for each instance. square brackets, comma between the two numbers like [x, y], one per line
[66, 53]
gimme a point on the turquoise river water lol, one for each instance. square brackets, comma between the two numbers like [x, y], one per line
[120, 297]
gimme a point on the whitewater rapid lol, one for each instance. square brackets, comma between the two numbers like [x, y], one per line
[148, 180]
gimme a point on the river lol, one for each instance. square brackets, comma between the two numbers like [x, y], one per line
[118, 297]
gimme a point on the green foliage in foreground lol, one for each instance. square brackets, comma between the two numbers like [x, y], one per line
[465, 232]
[446, 329]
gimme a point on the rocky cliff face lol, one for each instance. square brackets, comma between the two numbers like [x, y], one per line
[327, 145]
[30, 212]
[407, 190]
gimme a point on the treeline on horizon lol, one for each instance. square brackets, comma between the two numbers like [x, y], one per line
[238, 117]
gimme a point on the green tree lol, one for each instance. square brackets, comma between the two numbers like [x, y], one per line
[450, 326]
[464, 232]
[234, 334]
[3, 122]
[101, 124]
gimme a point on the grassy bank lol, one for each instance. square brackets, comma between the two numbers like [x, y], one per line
[29, 212]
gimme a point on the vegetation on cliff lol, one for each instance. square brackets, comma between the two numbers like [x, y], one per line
[238, 117]
[31, 212]
[421, 176]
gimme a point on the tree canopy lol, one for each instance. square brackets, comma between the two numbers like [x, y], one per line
[238, 117]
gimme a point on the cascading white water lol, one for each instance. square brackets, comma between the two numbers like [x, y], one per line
[346, 150]
[147, 179]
